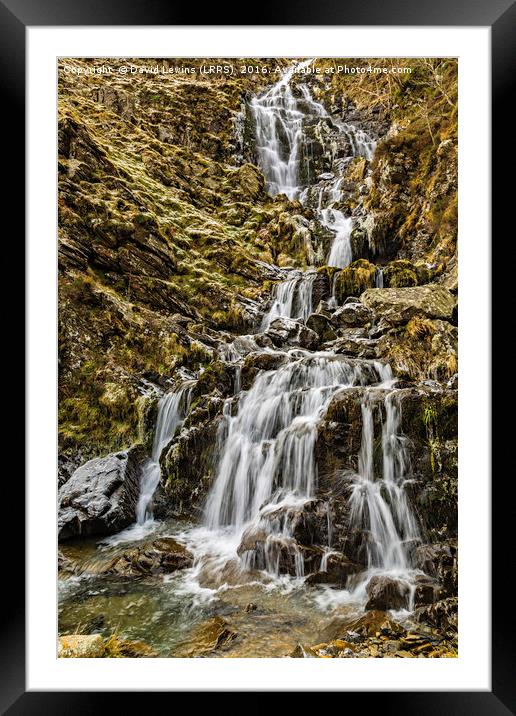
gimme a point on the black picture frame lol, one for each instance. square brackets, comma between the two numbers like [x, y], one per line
[500, 16]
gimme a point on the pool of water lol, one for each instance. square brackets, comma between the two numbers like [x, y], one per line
[267, 617]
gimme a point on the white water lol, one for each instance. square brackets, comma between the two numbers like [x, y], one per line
[266, 471]
[279, 135]
[172, 409]
[279, 115]
[378, 503]
[291, 299]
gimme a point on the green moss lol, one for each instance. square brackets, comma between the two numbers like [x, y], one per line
[355, 279]
[399, 274]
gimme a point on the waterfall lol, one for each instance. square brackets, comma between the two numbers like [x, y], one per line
[172, 409]
[265, 454]
[379, 505]
[340, 252]
[292, 299]
[281, 144]
[279, 135]
[267, 466]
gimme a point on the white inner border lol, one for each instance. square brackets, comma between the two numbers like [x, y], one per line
[471, 670]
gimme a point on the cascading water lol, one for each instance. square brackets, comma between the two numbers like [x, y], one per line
[292, 299]
[379, 505]
[266, 470]
[172, 409]
[279, 135]
[281, 145]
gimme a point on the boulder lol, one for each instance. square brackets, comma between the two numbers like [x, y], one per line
[399, 305]
[352, 315]
[255, 362]
[386, 593]
[80, 646]
[324, 307]
[288, 332]
[161, 556]
[100, 497]
[354, 343]
[322, 325]
[334, 568]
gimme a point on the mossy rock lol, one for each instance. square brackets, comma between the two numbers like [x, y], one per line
[399, 274]
[355, 279]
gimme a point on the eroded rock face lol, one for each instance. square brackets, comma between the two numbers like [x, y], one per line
[441, 562]
[101, 495]
[399, 305]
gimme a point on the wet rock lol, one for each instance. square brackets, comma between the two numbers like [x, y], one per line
[321, 288]
[356, 344]
[385, 593]
[352, 315]
[337, 569]
[255, 362]
[187, 465]
[426, 593]
[80, 646]
[322, 325]
[380, 329]
[116, 648]
[65, 566]
[307, 523]
[101, 495]
[324, 307]
[286, 331]
[302, 652]
[161, 556]
[399, 305]
[453, 383]
[207, 637]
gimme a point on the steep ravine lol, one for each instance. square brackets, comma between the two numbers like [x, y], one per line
[306, 492]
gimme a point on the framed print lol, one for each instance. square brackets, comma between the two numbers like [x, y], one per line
[258, 273]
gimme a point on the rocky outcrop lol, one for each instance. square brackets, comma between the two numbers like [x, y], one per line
[399, 305]
[352, 315]
[288, 332]
[100, 497]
